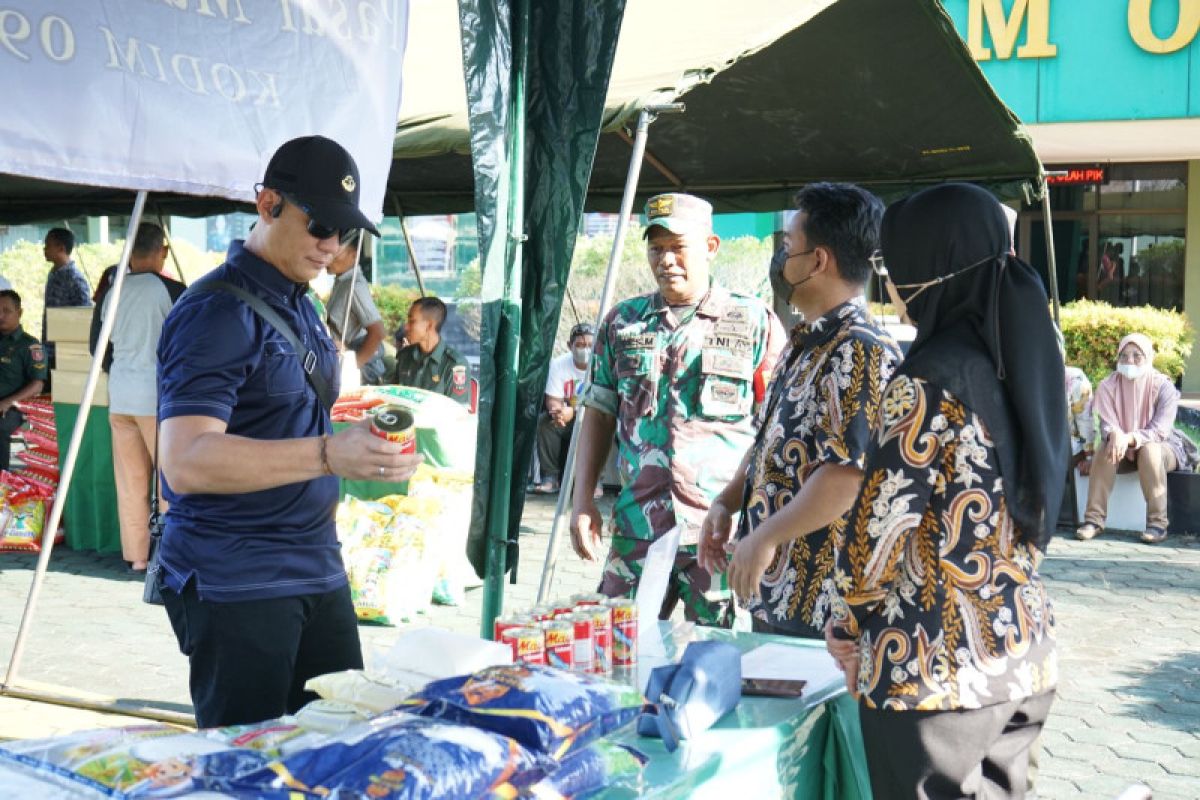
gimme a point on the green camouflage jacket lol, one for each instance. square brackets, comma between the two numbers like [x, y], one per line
[683, 392]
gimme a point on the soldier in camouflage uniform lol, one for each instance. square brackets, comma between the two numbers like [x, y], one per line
[797, 483]
[677, 375]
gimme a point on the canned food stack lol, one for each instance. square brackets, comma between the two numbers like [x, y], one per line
[589, 633]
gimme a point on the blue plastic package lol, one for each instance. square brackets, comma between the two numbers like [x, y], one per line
[398, 756]
[601, 765]
[548, 710]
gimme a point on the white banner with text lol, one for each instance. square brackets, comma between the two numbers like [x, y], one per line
[193, 96]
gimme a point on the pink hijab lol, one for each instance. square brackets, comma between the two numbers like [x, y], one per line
[1129, 405]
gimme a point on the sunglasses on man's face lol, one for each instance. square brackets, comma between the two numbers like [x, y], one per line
[319, 230]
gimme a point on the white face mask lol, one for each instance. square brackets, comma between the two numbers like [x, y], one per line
[1131, 371]
[581, 355]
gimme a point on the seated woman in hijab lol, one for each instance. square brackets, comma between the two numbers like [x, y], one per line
[1136, 406]
[939, 617]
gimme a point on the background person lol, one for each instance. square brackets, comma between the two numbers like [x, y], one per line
[940, 619]
[66, 286]
[350, 305]
[22, 370]
[1136, 407]
[252, 573]
[428, 362]
[146, 299]
[565, 386]
[676, 374]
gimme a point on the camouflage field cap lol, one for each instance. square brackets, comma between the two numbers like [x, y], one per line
[679, 213]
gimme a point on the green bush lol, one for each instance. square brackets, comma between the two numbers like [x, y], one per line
[393, 303]
[26, 269]
[1092, 331]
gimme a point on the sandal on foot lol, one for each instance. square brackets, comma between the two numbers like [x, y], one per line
[1087, 531]
[1154, 535]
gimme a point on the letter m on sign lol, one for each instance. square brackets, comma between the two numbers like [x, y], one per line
[1005, 28]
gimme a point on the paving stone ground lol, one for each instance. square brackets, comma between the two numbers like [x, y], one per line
[1128, 707]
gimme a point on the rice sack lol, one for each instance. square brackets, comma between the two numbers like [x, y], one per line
[585, 772]
[548, 710]
[401, 757]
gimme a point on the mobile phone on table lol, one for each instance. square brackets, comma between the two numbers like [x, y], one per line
[772, 687]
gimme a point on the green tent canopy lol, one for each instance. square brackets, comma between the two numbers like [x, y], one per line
[879, 92]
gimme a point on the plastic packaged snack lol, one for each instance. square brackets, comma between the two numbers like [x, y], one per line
[371, 693]
[548, 710]
[329, 716]
[22, 512]
[140, 761]
[385, 548]
[401, 756]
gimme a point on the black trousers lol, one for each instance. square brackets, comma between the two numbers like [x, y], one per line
[552, 444]
[250, 660]
[11, 420]
[936, 755]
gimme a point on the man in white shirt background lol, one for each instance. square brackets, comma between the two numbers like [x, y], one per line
[146, 299]
[564, 387]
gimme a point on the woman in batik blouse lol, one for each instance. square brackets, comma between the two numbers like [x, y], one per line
[939, 616]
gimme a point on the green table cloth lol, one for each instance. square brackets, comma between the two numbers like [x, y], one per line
[809, 747]
[90, 513]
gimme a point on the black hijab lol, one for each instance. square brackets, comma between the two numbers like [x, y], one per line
[986, 337]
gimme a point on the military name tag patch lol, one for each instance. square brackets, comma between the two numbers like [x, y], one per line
[636, 341]
[721, 397]
[724, 392]
[736, 314]
[732, 327]
[738, 345]
[719, 363]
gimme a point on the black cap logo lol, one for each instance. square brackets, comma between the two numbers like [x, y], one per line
[348, 183]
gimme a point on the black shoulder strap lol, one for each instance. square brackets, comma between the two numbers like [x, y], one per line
[308, 359]
[175, 289]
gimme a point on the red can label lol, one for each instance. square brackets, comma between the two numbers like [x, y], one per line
[502, 624]
[542, 613]
[564, 607]
[396, 425]
[602, 643]
[585, 635]
[624, 632]
[589, 599]
[560, 643]
[528, 645]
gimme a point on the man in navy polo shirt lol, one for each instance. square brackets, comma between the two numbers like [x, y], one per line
[252, 575]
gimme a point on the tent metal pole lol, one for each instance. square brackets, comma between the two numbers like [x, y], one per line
[1051, 264]
[412, 253]
[105, 706]
[645, 117]
[508, 349]
[1052, 272]
[68, 468]
[654, 161]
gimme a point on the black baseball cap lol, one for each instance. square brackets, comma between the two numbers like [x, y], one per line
[322, 175]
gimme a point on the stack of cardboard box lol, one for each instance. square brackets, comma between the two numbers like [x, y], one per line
[68, 328]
